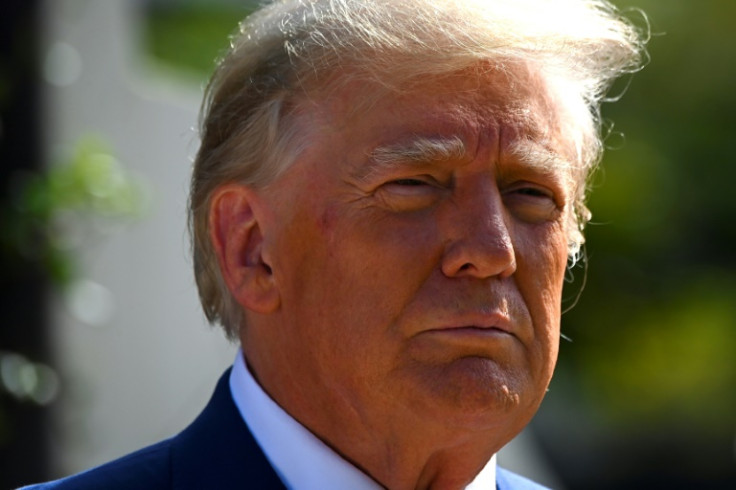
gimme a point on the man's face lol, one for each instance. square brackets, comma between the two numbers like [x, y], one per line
[419, 246]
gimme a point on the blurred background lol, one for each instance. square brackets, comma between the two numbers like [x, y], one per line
[103, 347]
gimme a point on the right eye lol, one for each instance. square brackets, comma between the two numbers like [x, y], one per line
[409, 193]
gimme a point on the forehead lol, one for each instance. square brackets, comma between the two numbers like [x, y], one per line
[478, 105]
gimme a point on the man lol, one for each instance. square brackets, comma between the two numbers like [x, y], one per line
[382, 209]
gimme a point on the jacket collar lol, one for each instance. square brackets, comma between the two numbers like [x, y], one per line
[218, 451]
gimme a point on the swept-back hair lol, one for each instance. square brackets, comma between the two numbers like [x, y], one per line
[291, 47]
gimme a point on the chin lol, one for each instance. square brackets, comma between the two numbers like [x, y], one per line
[477, 391]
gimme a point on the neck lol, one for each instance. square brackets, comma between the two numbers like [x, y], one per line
[414, 457]
[450, 468]
[403, 451]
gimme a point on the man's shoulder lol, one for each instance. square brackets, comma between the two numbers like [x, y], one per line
[215, 451]
[145, 469]
[506, 480]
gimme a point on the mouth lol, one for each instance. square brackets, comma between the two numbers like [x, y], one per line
[471, 331]
[476, 324]
[445, 343]
[492, 333]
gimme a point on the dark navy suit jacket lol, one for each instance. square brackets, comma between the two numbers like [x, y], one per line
[217, 451]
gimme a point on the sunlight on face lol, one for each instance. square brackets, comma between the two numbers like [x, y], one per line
[419, 249]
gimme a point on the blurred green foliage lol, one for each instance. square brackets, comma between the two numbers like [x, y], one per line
[655, 331]
[190, 36]
[48, 207]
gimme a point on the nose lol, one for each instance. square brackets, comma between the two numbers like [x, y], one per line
[479, 243]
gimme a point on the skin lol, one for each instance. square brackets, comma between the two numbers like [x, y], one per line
[408, 314]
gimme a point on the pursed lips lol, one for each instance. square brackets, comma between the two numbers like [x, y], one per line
[482, 324]
[477, 335]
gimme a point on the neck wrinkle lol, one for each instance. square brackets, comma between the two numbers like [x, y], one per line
[450, 468]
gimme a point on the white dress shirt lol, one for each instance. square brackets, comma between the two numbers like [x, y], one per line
[302, 461]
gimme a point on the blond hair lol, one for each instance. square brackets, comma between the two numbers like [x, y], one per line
[289, 47]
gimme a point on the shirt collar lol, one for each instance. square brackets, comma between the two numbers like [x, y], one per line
[303, 461]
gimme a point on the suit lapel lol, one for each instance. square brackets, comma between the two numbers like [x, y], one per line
[218, 451]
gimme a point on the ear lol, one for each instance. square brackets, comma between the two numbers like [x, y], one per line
[237, 239]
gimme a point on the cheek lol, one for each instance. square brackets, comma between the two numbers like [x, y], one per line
[540, 272]
[541, 259]
[389, 257]
[542, 251]
[355, 271]
[395, 245]
[379, 263]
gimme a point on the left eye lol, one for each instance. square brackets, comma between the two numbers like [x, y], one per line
[532, 192]
[531, 203]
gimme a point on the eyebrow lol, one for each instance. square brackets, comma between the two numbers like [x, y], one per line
[537, 157]
[418, 151]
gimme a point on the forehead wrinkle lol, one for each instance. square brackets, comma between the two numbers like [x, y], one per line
[417, 151]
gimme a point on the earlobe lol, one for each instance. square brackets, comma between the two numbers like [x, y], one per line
[237, 239]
